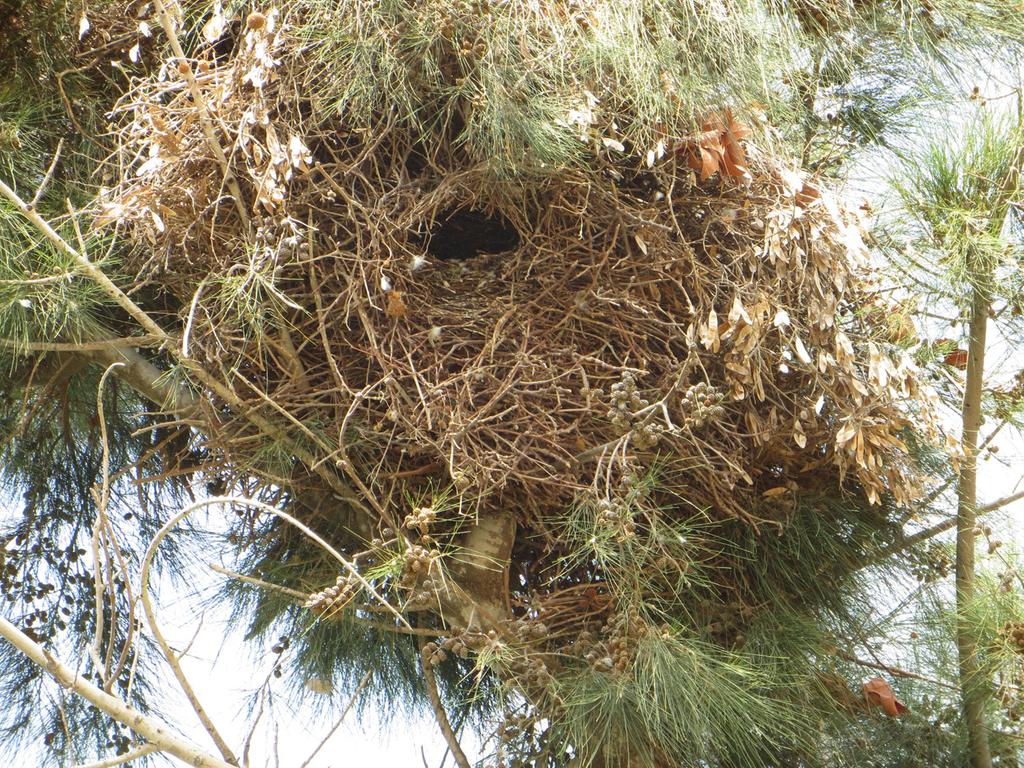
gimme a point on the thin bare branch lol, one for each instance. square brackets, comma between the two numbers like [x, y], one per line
[132, 754]
[152, 730]
[351, 702]
[259, 582]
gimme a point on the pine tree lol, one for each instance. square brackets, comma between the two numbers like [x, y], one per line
[543, 386]
[962, 196]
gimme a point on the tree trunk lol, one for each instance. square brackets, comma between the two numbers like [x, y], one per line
[481, 570]
[971, 685]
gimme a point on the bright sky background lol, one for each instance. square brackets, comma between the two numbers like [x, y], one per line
[225, 669]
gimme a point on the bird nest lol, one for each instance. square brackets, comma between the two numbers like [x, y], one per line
[691, 322]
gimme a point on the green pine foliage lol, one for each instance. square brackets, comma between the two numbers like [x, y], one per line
[844, 75]
[686, 703]
[953, 196]
[521, 72]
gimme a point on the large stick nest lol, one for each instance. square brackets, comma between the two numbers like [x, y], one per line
[606, 350]
[601, 350]
[408, 310]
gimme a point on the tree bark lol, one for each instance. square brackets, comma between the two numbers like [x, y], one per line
[146, 379]
[481, 570]
[971, 684]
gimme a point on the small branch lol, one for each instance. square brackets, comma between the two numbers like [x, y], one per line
[945, 525]
[992, 435]
[421, 631]
[134, 754]
[894, 671]
[149, 382]
[228, 500]
[153, 731]
[438, 707]
[301, 597]
[927, 501]
[90, 269]
[1000, 503]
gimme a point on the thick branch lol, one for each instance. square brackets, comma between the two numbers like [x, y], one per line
[439, 714]
[148, 380]
[482, 568]
[91, 345]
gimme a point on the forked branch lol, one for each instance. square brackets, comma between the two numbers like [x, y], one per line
[153, 731]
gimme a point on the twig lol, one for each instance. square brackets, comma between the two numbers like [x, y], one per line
[259, 582]
[894, 671]
[49, 175]
[102, 498]
[191, 317]
[351, 702]
[173, 659]
[228, 500]
[262, 697]
[147, 604]
[132, 754]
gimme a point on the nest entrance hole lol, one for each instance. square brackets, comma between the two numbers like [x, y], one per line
[463, 233]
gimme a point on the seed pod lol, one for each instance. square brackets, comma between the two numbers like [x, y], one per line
[256, 21]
